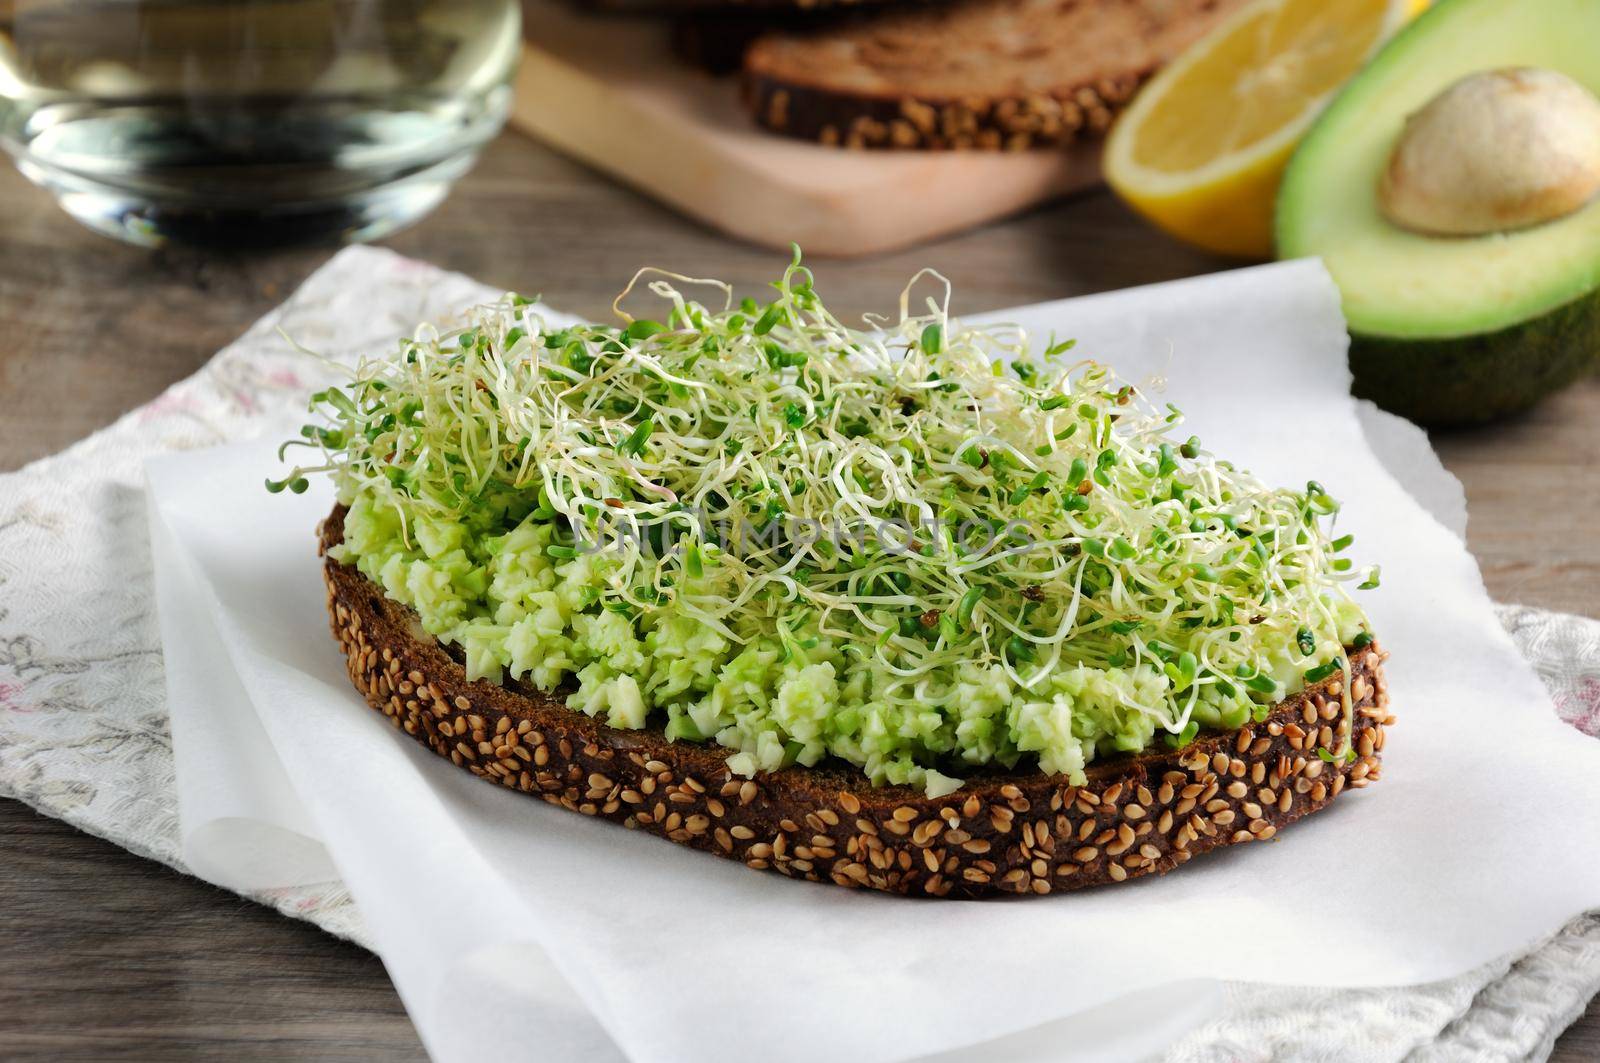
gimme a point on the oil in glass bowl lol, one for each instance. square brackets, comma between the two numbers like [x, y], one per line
[244, 122]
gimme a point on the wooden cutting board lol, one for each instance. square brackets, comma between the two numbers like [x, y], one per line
[608, 91]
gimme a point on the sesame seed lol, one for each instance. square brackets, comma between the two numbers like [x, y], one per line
[1125, 839]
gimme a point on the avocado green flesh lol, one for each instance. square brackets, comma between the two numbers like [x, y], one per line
[1449, 329]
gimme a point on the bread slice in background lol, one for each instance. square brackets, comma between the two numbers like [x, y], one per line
[987, 74]
[1002, 832]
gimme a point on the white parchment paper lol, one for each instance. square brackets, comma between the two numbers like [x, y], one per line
[513, 926]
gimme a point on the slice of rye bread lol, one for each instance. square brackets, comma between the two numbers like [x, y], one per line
[987, 74]
[1002, 832]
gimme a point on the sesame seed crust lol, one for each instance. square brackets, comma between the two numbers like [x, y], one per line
[1058, 116]
[1001, 833]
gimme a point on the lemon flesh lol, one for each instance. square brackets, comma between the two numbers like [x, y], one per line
[1203, 148]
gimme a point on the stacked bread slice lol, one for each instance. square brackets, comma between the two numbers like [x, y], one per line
[938, 74]
[990, 74]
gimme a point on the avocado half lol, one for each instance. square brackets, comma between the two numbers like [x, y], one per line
[1449, 330]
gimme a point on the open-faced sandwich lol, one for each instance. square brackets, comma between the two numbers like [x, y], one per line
[921, 609]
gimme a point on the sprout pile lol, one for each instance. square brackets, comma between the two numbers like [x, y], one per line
[918, 548]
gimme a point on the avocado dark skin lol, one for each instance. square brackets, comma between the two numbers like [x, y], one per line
[1470, 380]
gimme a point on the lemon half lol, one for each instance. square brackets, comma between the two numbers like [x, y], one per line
[1203, 147]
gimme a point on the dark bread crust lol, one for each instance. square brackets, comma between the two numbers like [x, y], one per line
[856, 85]
[1002, 832]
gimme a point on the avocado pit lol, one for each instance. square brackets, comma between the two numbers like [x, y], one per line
[1496, 151]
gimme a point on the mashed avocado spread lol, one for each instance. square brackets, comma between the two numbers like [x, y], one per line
[915, 549]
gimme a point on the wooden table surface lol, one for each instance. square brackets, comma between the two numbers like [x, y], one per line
[103, 954]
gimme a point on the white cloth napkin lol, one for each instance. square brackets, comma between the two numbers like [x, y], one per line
[82, 737]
